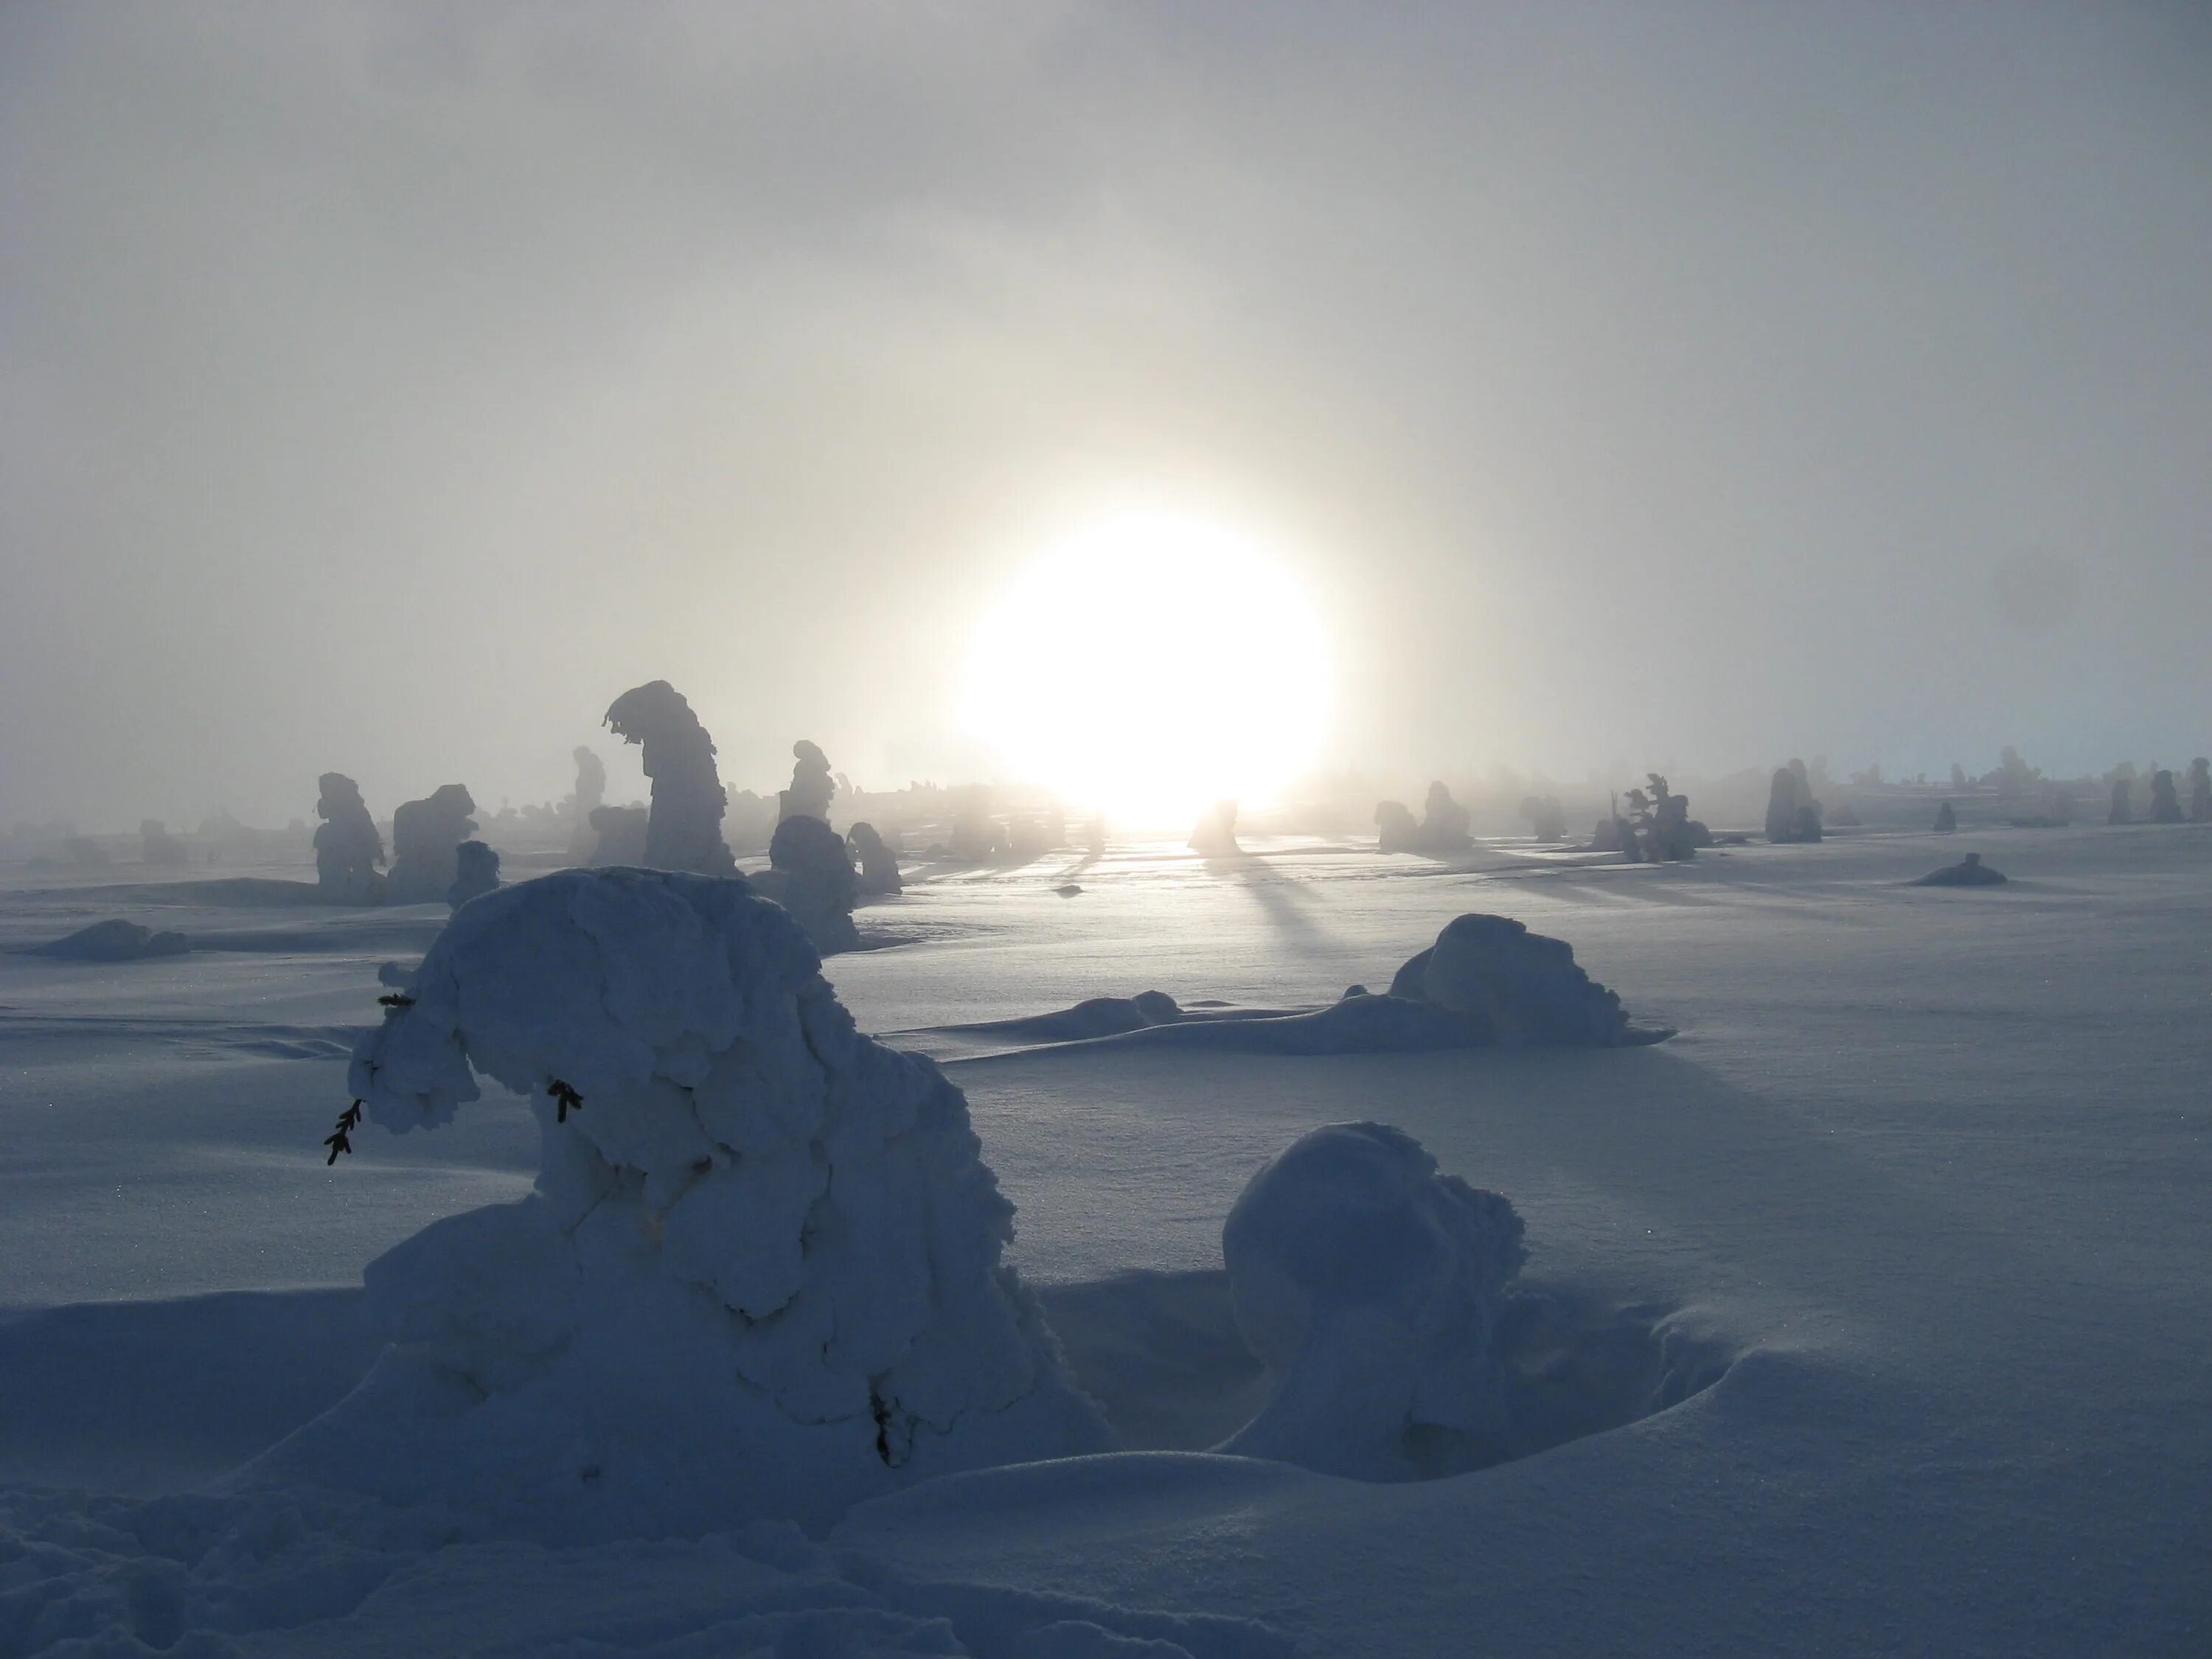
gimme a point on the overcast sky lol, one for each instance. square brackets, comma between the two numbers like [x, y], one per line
[387, 387]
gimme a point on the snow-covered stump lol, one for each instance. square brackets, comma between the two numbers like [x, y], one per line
[1370, 1285]
[760, 1276]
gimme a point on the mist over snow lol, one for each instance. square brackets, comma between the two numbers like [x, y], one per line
[383, 388]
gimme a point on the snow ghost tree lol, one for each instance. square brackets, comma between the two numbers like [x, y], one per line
[760, 1275]
[1946, 821]
[1547, 820]
[590, 791]
[348, 853]
[1660, 828]
[475, 872]
[880, 871]
[1442, 829]
[618, 834]
[1792, 814]
[1370, 1286]
[810, 875]
[425, 837]
[1517, 988]
[975, 838]
[1444, 821]
[2164, 803]
[1396, 830]
[2200, 791]
[156, 845]
[812, 785]
[684, 832]
[1215, 837]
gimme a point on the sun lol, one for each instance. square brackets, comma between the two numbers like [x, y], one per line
[1148, 666]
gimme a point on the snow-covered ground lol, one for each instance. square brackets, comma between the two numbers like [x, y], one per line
[1909, 1230]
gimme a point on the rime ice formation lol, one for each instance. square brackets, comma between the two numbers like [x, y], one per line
[1370, 1285]
[1215, 837]
[475, 872]
[1946, 821]
[1517, 988]
[1792, 814]
[618, 834]
[880, 871]
[810, 875]
[156, 845]
[115, 940]
[425, 837]
[348, 853]
[2164, 803]
[812, 785]
[684, 832]
[1969, 871]
[591, 792]
[760, 1276]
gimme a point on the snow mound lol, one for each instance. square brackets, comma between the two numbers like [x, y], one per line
[760, 1276]
[1968, 871]
[114, 940]
[1371, 1286]
[1487, 980]
[1517, 988]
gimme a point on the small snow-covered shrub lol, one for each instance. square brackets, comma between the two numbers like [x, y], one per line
[1370, 1285]
[760, 1276]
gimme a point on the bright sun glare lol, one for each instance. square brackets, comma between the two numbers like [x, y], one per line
[1148, 666]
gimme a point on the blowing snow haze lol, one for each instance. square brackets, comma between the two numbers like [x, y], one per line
[384, 388]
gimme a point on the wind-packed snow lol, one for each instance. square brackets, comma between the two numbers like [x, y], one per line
[1870, 1315]
[759, 1277]
[1370, 1285]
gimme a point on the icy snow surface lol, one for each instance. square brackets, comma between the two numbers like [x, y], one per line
[1926, 1173]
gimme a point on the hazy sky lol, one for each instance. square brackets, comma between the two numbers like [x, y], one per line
[386, 387]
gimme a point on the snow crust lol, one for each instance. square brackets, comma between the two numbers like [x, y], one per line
[759, 1276]
[1370, 1284]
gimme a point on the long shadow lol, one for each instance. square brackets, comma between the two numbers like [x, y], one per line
[1288, 910]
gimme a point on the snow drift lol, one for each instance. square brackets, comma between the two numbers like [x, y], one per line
[1968, 871]
[1371, 1286]
[1487, 980]
[760, 1276]
[114, 940]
